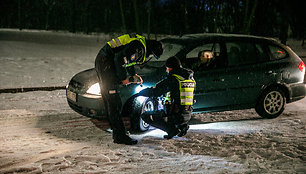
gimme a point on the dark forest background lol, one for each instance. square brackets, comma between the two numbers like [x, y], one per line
[273, 18]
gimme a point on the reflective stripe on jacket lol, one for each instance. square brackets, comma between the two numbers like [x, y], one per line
[186, 89]
[126, 39]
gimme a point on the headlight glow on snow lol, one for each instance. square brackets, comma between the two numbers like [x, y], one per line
[224, 127]
[94, 89]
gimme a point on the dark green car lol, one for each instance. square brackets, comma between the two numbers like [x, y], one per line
[242, 72]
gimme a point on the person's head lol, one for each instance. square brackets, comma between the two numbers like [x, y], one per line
[154, 48]
[206, 56]
[173, 63]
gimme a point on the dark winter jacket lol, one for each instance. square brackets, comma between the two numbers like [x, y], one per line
[119, 56]
[170, 84]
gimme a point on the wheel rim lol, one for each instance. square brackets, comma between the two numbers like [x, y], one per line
[144, 124]
[273, 102]
[149, 106]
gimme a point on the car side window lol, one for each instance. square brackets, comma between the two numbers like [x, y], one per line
[210, 46]
[240, 53]
[170, 49]
[277, 52]
[194, 56]
[262, 55]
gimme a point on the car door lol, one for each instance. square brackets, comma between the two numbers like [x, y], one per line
[246, 72]
[210, 90]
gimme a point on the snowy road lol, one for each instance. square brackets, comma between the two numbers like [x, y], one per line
[39, 133]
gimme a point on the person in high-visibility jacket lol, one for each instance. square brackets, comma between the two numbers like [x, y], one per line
[115, 65]
[179, 87]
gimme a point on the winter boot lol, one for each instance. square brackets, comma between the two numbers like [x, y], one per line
[183, 130]
[124, 139]
[171, 133]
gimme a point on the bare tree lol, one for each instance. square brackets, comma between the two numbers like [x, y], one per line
[49, 6]
[248, 17]
[72, 17]
[136, 16]
[122, 16]
[284, 25]
[19, 15]
[149, 19]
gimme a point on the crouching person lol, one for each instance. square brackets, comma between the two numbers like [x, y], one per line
[179, 86]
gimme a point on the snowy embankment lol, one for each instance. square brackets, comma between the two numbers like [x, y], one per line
[41, 134]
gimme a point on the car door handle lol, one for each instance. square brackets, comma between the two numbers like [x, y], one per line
[270, 73]
[219, 80]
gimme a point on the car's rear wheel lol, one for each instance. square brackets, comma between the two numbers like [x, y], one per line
[271, 103]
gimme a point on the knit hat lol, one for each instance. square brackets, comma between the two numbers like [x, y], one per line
[173, 62]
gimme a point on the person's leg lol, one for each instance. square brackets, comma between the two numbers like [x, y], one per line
[112, 100]
[181, 121]
[113, 103]
[156, 119]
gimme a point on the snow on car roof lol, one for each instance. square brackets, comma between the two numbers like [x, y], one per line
[216, 35]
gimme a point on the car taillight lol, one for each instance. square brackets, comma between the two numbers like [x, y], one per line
[302, 66]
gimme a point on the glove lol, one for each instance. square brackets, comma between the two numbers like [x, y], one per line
[137, 79]
[132, 79]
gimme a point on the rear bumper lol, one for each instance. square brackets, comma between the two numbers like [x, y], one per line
[298, 92]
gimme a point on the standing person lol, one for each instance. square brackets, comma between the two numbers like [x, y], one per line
[180, 84]
[115, 65]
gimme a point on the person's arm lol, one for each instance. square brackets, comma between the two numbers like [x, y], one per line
[161, 88]
[131, 70]
[119, 62]
[126, 56]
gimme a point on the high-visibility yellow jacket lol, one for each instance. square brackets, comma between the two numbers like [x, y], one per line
[176, 87]
[126, 39]
[186, 89]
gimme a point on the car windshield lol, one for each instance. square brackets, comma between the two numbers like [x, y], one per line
[170, 49]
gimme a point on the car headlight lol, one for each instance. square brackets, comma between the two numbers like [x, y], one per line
[94, 89]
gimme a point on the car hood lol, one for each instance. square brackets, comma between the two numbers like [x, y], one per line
[83, 80]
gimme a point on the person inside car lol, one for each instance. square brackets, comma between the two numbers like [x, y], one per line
[205, 61]
[115, 65]
[179, 86]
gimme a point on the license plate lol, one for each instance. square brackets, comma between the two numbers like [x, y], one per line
[71, 96]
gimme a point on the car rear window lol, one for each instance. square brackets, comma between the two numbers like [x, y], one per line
[277, 52]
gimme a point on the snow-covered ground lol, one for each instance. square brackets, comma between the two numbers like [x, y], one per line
[39, 133]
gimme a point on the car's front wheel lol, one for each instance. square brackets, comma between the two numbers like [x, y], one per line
[138, 106]
[271, 103]
[148, 105]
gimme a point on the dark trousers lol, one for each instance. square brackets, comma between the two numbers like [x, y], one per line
[157, 119]
[104, 65]
[170, 125]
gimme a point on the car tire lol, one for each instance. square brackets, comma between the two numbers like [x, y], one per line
[271, 103]
[140, 106]
[148, 105]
